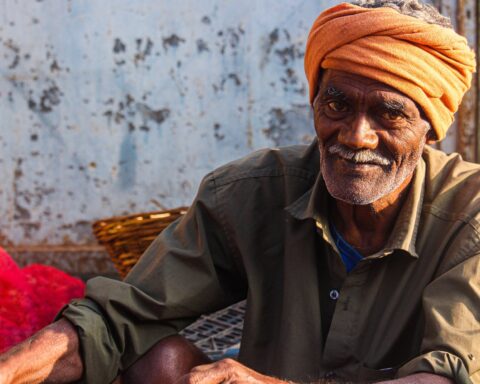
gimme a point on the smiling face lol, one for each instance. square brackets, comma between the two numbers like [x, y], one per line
[370, 136]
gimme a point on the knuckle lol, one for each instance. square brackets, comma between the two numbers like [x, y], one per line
[229, 362]
[222, 364]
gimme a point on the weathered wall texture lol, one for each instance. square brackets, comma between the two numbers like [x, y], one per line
[113, 107]
[464, 136]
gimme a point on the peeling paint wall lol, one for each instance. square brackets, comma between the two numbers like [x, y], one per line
[113, 107]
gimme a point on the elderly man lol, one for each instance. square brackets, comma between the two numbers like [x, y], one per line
[358, 255]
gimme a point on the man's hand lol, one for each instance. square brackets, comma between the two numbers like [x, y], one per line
[229, 371]
[50, 356]
[226, 371]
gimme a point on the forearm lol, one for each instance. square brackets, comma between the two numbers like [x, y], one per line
[418, 378]
[50, 356]
[421, 378]
[233, 372]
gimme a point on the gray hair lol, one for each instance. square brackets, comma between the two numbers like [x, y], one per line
[414, 8]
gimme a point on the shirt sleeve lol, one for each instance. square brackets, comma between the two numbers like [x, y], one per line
[188, 270]
[451, 343]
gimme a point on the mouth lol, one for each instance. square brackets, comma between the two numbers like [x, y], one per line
[356, 163]
[358, 158]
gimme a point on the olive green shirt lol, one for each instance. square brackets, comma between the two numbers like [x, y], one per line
[258, 229]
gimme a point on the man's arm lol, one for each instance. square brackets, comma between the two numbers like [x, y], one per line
[232, 372]
[421, 378]
[50, 356]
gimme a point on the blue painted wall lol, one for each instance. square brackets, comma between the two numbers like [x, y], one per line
[112, 107]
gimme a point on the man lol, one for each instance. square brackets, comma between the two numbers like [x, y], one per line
[358, 255]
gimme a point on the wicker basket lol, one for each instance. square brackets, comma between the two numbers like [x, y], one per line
[127, 237]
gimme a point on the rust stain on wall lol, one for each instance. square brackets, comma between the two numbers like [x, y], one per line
[463, 136]
[466, 11]
[477, 81]
[83, 261]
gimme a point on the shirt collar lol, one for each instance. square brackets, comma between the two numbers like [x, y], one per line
[314, 205]
[404, 232]
[310, 205]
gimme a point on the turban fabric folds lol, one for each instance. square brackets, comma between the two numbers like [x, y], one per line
[430, 64]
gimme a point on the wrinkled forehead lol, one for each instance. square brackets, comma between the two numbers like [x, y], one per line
[333, 78]
[344, 85]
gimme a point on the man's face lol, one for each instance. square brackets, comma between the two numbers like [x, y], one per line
[371, 136]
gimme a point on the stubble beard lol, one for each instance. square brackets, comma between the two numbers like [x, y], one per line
[364, 190]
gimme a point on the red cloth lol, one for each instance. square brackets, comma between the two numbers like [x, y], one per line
[30, 298]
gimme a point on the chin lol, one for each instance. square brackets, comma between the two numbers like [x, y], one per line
[358, 191]
[353, 197]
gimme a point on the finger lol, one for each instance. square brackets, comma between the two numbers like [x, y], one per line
[202, 367]
[211, 375]
[225, 364]
[225, 371]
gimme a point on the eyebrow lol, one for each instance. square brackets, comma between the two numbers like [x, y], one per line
[389, 104]
[334, 92]
[393, 105]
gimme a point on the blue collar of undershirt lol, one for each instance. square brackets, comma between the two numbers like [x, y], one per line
[350, 256]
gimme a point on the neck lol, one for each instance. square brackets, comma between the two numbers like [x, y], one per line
[368, 227]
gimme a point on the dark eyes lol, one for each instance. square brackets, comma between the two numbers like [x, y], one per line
[341, 107]
[337, 106]
[392, 115]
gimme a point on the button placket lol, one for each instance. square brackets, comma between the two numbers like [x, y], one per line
[346, 315]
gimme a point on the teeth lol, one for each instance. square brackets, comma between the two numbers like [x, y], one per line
[359, 157]
[352, 159]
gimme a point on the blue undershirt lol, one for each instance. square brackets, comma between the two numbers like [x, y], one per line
[350, 256]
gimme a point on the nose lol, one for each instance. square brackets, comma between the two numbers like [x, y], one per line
[359, 134]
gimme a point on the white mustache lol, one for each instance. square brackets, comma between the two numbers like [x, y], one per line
[361, 156]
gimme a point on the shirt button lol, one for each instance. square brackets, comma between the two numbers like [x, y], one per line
[334, 294]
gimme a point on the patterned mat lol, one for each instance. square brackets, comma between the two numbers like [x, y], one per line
[218, 334]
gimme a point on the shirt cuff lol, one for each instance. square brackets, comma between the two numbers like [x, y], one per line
[439, 363]
[101, 362]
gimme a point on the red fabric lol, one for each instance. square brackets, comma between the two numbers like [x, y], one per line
[30, 298]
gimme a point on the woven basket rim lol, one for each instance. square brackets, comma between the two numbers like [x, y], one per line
[126, 237]
[147, 215]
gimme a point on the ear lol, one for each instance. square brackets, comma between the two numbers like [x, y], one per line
[431, 136]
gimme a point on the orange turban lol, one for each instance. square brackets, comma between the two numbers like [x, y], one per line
[431, 64]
